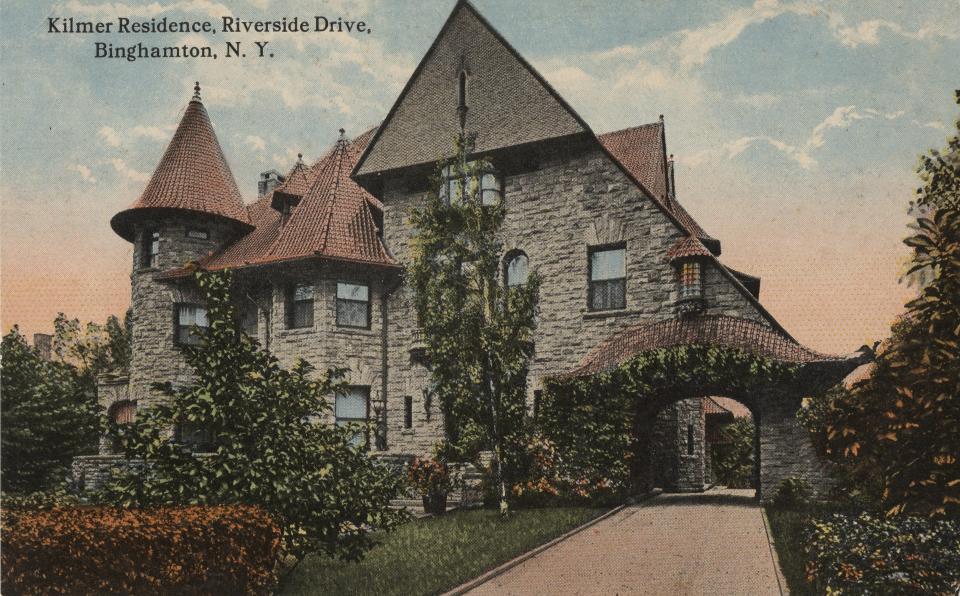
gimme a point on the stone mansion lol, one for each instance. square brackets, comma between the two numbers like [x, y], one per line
[318, 258]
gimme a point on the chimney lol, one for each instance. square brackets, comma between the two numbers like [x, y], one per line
[268, 181]
[671, 188]
[43, 344]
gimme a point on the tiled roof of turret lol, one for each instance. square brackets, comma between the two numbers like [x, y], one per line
[688, 247]
[332, 220]
[192, 176]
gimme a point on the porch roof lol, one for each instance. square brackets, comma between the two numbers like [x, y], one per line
[711, 330]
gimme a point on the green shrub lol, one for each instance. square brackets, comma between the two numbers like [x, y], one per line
[872, 555]
[228, 550]
[792, 493]
[733, 463]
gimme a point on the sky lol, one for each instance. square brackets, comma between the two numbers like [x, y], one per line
[796, 125]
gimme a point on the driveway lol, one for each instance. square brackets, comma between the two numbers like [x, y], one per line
[711, 543]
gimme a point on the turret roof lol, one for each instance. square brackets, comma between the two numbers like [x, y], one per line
[192, 176]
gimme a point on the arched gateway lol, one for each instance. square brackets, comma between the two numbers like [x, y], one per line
[649, 366]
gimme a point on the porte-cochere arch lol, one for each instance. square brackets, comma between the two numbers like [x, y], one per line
[601, 413]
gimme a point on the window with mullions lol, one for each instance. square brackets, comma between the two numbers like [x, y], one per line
[608, 278]
[353, 305]
[300, 306]
[353, 407]
[150, 249]
[456, 184]
[691, 285]
[191, 321]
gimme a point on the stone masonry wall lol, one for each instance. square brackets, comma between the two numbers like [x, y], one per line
[155, 358]
[575, 199]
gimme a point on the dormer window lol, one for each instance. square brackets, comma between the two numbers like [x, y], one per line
[150, 249]
[691, 286]
[456, 184]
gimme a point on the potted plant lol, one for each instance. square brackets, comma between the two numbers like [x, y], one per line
[431, 478]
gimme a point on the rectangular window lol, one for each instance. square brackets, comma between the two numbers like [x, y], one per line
[352, 407]
[300, 306]
[150, 249]
[408, 411]
[353, 305]
[608, 278]
[690, 285]
[190, 319]
[198, 234]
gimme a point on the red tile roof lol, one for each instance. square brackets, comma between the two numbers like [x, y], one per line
[640, 150]
[725, 405]
[688, 247]
[714, 330]
[192, 176]
[332, 220]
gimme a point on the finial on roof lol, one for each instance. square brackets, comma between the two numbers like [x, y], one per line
[671, 157]
[342, 141]
[661, 117]
[196, 91]
[299, 157]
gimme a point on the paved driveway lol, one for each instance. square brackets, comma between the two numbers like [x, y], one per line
[711, 543]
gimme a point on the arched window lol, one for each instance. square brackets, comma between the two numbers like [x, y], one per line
[517, 269]
[123, 412]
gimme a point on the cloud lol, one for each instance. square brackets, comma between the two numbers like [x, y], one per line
[114, 138]
[154, 133]
[695, 45]
[842, 117]
[154, 9]
[84, 172]
[286, 161]
[256, 143]
[109, 136]
[935, 124]
[124, 170]
[868, 32]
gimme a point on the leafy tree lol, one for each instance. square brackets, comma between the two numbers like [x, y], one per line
[257, 424]
[477, 330]
[94, 349]
[49, 415]
[903, 422]
[733, 461]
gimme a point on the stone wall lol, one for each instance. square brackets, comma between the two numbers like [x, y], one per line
[90, 472]
[574, 198]
[155, 358]
[676, 467]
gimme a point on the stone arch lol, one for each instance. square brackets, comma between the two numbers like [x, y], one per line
[654, 365]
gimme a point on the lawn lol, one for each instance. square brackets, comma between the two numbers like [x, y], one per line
[432, 555]
[788, 526]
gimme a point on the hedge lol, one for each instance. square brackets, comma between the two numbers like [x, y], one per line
[168, 550]
[872, 555]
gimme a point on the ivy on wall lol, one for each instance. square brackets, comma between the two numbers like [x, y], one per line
[593, 421]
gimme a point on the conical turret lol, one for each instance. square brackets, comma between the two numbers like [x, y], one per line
[192, 177]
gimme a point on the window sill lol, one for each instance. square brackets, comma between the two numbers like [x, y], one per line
[297, 331]
[354, 331]
[603, 314]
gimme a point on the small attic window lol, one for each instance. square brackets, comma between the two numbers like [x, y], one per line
[455, 186]
[462, 90]
[691, 284]
[198, 234]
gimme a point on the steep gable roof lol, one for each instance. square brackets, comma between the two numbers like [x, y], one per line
[424, 121]
[192, 176]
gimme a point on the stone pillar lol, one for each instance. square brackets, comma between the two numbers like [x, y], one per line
[786, 449]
